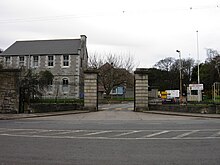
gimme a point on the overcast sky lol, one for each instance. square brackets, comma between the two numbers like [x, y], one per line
[148, 30]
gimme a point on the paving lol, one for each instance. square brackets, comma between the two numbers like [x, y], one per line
[215, 116]
[33, 115]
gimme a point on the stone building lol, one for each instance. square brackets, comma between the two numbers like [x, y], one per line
[9, 90]
[66, 59]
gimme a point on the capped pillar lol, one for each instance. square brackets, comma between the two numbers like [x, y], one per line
[91, 90]
[141, 90]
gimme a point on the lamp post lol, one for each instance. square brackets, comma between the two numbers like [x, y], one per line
[181, 90]
[197, 37]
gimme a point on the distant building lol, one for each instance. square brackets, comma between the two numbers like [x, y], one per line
[66, 59]
[194, 92]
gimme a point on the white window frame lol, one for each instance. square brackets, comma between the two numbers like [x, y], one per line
[66, 62]
[50, 86]
[50, 61]
[115, 91]
[65, 86]
[35, 63]
[21, 62]
[7, 62]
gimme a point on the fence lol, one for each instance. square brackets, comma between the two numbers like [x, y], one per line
[216, 92]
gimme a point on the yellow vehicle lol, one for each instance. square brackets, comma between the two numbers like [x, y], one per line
[163, 94]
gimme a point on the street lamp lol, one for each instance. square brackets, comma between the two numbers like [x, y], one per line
[197, 37]
[181, 90]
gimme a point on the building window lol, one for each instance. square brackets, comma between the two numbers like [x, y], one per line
[194, 92]
[50, 86]
[65, 85]
[81, 63]
[35, 61]
[65, 82]
[114, 91]
[8, 61]
[21, 61]
[50, 61]
[65, 60]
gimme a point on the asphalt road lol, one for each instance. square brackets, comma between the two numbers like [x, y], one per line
[113, 136]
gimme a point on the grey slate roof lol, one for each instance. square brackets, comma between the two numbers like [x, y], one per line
[44, 47]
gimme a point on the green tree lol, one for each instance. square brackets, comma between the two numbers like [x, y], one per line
[33, 84]
[186, 71]
[45, 78]
[209, 71]
[158, 79]
[166, 74]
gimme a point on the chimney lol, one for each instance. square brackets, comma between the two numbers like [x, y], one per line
[83, 39]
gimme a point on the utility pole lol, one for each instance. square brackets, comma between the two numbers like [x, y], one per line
[181, 89]
[197, 37]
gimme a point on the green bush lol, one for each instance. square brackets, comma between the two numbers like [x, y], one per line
[58, 101]
[122, 99]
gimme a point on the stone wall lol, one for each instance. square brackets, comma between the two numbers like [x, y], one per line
[209, 109]
[9, 97]
[41, 108]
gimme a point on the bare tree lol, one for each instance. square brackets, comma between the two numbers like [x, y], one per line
[211, 54]
[117, 61]
[214, 58]
[113, 70]
[165, 64]
[1, 59]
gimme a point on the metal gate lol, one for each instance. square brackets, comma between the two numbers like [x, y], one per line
[216, 92]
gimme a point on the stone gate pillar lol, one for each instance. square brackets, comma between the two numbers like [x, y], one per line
[141, 90]
[91, 90]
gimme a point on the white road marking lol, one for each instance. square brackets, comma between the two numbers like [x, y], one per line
[126, 133]
[97, 133]
[108, 138]
[33, 132]
[215, 134]
[66, 132]
[185, 134]
[117, 134]
[155, 134]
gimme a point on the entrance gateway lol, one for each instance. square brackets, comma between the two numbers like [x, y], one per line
[140, 87]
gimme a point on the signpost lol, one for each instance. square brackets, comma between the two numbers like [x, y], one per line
[196, 87]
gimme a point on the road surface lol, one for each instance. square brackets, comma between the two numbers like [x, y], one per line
[113, 136]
